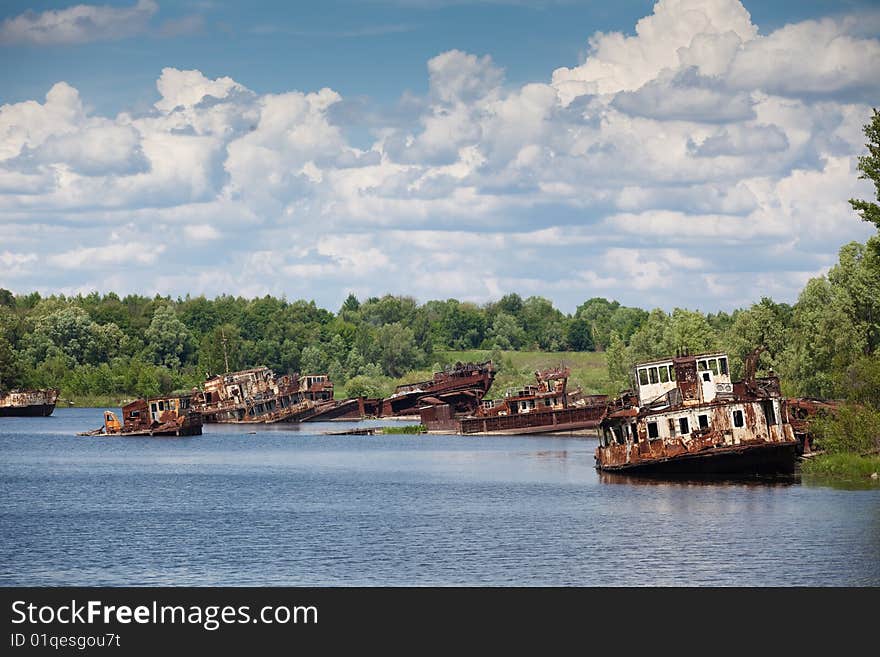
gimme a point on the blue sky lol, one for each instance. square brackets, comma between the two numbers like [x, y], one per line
[694, 154]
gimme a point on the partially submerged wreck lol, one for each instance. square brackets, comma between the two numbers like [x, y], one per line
[686, 416]
[28, 403]
[157, 416]
[461, 387]
[257, 395]
[545, 407]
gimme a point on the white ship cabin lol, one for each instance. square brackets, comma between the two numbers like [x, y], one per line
[655, 379]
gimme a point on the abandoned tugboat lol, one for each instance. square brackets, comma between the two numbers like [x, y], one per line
[156, 416]
[257, 395]
[31, 403]
[547, 407]
[687, 417]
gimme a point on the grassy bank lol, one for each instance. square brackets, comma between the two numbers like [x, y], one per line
[843, 466]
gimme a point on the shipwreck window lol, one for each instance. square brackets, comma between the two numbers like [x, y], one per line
[671, 423]
[652, 430]
[683, 426]
[635, 432]
[713, 365]
[738, 419]
[701, 365]
[153, 407]
[707, 376]
[664, 374]
[643, 377]
[161, 405]
[769, 412]
[704, 421]
[652, 375]
[722, 364]
[671, 373]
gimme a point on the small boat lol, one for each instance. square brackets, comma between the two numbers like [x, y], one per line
[156, 416]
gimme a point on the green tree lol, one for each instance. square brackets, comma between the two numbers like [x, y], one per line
[397, 349]
[313, 360]
[542, 324]
[506, 333]
[71, 331]
[869, 165]
[597, 313]
[221, 344]
[6, 298]
[578, 335]
[10, 369]
[765, 323]
[168, 340]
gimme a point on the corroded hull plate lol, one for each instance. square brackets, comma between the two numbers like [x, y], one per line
[740, 459]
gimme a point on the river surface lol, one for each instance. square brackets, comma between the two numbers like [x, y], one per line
[288, 505]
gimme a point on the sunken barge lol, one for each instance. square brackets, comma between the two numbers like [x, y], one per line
[545, 407]
[156, 416]
[687, 417]
[28, 403]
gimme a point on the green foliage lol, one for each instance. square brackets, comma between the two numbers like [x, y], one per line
[169, 342]
[10, 370]
[506, 333]
[367, 386]
[221, 344]
[406, 429]
[852, 429]
[396, 349]
[860, 382]
[764, 324]
[869, 165]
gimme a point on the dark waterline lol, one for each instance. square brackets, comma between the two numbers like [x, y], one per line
[290, 506]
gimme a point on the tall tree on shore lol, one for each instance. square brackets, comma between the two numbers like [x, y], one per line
[869, 165]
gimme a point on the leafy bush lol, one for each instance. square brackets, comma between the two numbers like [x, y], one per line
[853, 429]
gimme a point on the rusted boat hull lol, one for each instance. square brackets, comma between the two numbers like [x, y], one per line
[28, 403]
[33, 410]
[348, 409]
[558, 421]
[565, 420]
[160, 432]
[770, 458]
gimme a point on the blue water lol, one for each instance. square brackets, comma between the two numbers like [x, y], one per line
[288, 505]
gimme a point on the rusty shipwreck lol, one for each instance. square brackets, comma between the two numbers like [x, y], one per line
[459, 388]
[28, 403]
[544, 407]
[686, 416]
[171, 415]
[258, 395]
